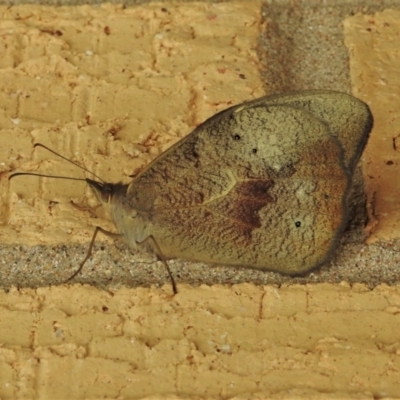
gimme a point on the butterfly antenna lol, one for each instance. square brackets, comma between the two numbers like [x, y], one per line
[66, 159]
[45, 176]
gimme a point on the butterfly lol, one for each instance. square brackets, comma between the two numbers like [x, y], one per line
[264, 184]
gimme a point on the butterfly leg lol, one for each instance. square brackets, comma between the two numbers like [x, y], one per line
[161, 258]
[89, 253]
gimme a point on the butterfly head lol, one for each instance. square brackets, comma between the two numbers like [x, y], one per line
[106, 191]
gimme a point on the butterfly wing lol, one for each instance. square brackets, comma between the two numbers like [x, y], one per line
[262, 185]
[349, 119]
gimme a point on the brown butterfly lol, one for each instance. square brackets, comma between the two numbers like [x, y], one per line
[264, 184]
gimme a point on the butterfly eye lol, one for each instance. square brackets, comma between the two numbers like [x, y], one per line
[297, 224]
[236, 137]
[106, 194]
[254, 151]
[105, 197]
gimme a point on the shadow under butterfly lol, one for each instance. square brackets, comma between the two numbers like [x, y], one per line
[264, 184]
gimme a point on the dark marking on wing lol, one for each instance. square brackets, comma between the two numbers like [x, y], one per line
[242, 205]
